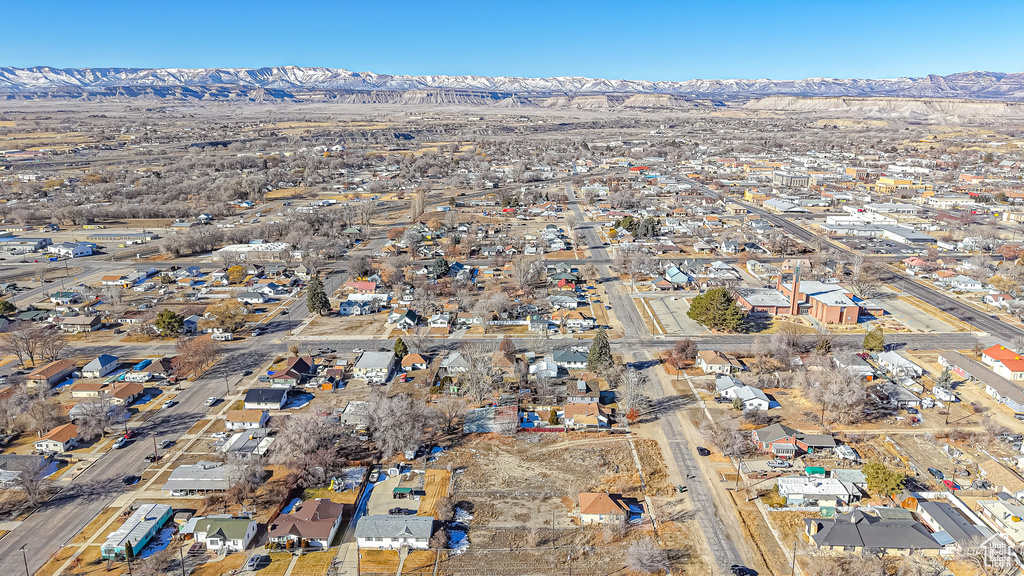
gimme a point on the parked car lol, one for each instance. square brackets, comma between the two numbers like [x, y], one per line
[151, 457]
[129, 480]
[130, 433]
[246, 372]
[257, 332]
[120, 443]
[169, 403]
[703, 451]
[738, 570]
[779, 464]
[211, 400]
[374, 475]
[165, 444]
[254, 562]
[937, 474]
[220, 434]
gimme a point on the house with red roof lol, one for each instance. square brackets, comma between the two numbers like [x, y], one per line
[1004, 361]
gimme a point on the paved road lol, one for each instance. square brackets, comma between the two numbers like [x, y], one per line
[721, 545]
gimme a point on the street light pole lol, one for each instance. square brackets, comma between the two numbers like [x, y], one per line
[24, 557]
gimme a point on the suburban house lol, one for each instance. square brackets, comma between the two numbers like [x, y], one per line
[197, 479]
[100, 366]
[601, 508]
[783, 441]
[860, 532]
[225, 533]
[252, 298]
[52, 373]
[394, 532]
[314, 522]
[136, 531]
[573, 320]
[414, 361]
[898, 365]
[854, 364]
[750, 398]
[246, 419]
[571, 358]
[811, 491]
[60, 439]
[582, 415]
[713, 362]
[294, 372]
[950, 527]
[75, 324]
[265, 398]
[120, 393]
[374, 367]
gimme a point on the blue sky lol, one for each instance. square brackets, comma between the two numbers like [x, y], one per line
[671, 40]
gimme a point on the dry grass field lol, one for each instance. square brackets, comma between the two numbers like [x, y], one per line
[436, 487]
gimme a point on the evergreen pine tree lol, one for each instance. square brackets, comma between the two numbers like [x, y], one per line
[874, 341]
[600, 356]
[400, 348]
[316, 299]
[717, 309]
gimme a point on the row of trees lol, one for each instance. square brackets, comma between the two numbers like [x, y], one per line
[29, 341]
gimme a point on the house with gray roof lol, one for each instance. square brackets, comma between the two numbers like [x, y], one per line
[197, 479]
[374, 366]
[393, 532]
[860, 532]
[950, 527]
[222, 532]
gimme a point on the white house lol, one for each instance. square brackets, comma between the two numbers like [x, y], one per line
[751, 398]
[898, 365]
[221, 532]
[252, 298]
[374, 366]
[246, 419]
[265, 398]
[100, 366]
[807, 490]
[712, 362]
[60, 439]
[965, 284]
[394, 532]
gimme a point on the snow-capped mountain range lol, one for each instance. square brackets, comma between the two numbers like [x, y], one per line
[284, 81]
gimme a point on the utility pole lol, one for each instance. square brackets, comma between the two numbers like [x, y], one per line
[156, 455]
[182, 556]
[793, 567]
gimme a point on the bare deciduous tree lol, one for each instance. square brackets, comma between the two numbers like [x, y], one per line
[646, 557]
[396, 422]
[305, 445]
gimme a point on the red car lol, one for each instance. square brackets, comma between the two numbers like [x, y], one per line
[129, 434]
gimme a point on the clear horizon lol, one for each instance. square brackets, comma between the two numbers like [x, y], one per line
[654, 41]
